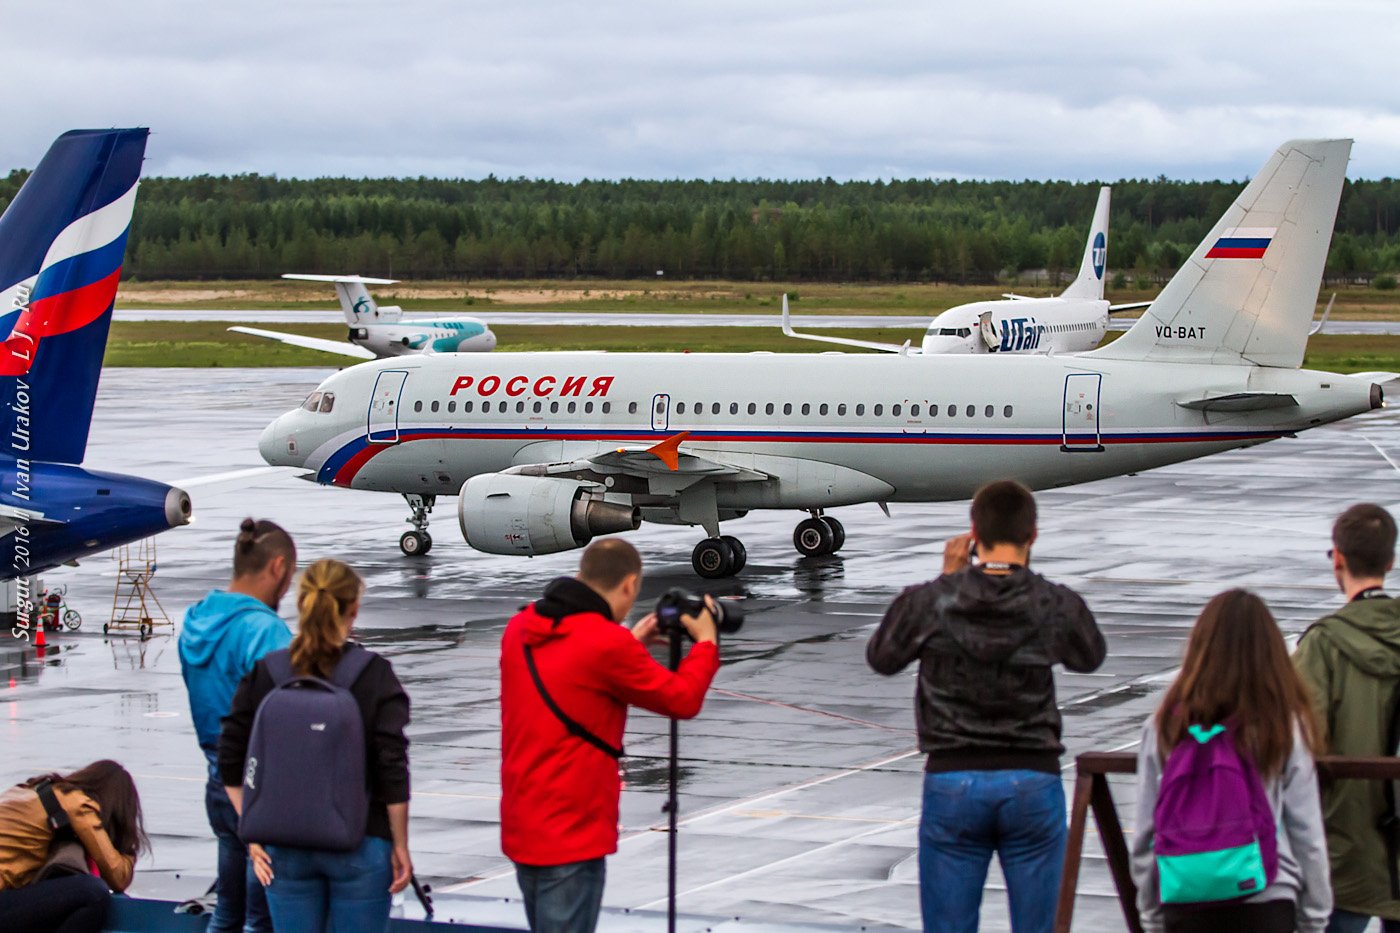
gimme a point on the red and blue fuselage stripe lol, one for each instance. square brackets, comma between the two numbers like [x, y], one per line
[341, 468]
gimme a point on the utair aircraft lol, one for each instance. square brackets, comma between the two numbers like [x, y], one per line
[546, 450]
[61, 245]
[378, 332]
[1071, 322]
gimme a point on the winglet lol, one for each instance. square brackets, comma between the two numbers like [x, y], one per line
[787, 319]
[669, 450]
[1317, 328]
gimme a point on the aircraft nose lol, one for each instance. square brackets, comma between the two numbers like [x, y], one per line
[278, 446]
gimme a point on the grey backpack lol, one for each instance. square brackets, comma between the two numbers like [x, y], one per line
[304, 781]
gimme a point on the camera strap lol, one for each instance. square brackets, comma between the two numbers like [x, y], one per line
[574, 728]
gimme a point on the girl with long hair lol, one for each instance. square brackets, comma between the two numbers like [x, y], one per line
[104, 811]
[1237, 673]
[315, 889]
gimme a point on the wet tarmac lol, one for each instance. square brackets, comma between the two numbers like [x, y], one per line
[801, 779]
[642, 319]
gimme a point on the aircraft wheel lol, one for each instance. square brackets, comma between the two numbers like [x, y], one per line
[813, 537]
[146, 629]
[838, 533]
[741, 554]
[415, 543]
[713, 559]
[106, 628]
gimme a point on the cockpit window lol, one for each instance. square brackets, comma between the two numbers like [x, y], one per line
[950, 331]
[313, 401]
[327, 402]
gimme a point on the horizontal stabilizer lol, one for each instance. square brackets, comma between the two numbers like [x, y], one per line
[309, 343]
[360, 279]
[1130, 306]
[1241, 401]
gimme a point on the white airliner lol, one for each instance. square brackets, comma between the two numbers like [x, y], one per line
[547, 450]
[1071, 322]
[376, 333]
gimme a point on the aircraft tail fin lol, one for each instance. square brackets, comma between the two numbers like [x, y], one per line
[1088, 286]
[1249, 291]
[355, 299]
[62, 241]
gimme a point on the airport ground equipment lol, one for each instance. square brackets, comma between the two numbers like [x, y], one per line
[54, 611]
[547, 451]
[135, 606]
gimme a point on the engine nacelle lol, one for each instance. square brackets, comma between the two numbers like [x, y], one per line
[502, 513]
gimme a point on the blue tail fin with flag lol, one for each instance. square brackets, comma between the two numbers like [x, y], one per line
[62, 241]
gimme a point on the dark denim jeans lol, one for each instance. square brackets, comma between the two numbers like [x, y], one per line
[77, 904]
[1344, 921]
[348, 892]
[241, 904]
[562, 898]
[968, 816]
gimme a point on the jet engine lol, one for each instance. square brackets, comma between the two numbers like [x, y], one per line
[502, 513]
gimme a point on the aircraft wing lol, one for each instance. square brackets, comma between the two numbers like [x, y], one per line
[310, 343]
[842, 341]
[664, 459]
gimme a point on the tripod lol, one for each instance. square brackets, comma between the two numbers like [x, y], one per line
[672, 805]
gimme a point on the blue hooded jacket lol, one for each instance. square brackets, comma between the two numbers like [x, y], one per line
[222, 637]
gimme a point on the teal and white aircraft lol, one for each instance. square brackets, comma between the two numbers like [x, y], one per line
[380, 332]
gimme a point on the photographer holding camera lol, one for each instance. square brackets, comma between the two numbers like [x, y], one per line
[568, 673]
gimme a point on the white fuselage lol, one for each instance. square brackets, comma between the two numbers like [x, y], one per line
[829, 429]
[440, 335]
[1023, 325]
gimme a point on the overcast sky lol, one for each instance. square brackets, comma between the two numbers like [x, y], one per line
[713, 89]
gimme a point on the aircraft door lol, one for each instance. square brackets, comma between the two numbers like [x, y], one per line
[384, 404]
[987, 327]
[661, 412]
[1081, 415]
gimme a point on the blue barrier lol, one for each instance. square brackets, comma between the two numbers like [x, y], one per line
[137, 915]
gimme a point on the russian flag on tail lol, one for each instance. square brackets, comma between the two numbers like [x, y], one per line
[1242, 243]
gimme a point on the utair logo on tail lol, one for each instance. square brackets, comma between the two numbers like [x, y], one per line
[1100, 254]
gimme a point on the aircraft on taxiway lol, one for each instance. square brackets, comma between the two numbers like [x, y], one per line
[379, 332]
[62, 240]
[1071, 322]
[546, 450]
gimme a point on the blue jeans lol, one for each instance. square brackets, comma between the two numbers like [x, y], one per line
[562, 898]
[1344, 921]
[241, 905]
[968, 815]
[346, 892]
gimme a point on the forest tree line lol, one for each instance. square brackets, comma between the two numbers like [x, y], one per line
[254, 226]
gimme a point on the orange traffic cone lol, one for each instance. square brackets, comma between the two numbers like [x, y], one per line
[40, 643]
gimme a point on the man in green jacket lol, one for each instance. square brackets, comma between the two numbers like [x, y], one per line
[1351, 660]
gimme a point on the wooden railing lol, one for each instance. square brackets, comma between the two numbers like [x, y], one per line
[1091, 793]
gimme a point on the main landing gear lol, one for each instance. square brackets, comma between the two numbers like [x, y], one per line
[818, 535]
[715, 558]
[418, 541]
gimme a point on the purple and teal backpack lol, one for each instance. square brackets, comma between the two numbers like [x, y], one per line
[1215, 834]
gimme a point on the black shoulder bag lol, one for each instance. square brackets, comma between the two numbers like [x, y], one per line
[575, 728]
[66, 854]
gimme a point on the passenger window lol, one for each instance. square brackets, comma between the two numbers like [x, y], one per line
[733, 408]
[1006, 412]
[435, 405]
[841, 409]
[327, 402]
[313, 401]
[631, 408]
[972, 411]
[588, 408]
[573, 407]
[417, 406]
[520, 408]
[554, 408]
[952, 411]
[486, 408]
[452, 405]
[878, 410]
[991, 410]
[680, 408]
[607, 407]
[787, 408]
[860, 409]
[539, 407]
[714, 408]
[660, 406]
[895, 410]
[753, 409]
[467, 407]
[768, 409]
[822, 409]
[914, 411]
[806, 409]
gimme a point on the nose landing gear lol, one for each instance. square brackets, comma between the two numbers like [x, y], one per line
[818, 535]
[417, 542]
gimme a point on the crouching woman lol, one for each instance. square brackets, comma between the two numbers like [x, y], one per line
[62, 880]
[345, 885]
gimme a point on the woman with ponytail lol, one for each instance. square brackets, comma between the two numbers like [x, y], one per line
[314, 889]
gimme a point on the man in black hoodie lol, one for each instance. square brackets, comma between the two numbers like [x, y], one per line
[986, 636]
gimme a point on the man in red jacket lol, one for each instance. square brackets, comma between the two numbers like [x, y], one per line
[568, 673]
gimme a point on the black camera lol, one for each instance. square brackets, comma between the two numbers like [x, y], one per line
[676, 602]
